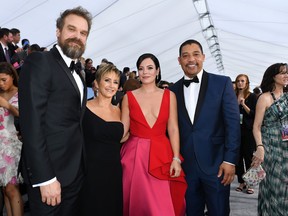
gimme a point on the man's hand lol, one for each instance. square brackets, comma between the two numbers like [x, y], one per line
[229, 173]
[51, 194]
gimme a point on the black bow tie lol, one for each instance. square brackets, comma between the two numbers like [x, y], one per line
[187, 82]
[75, 67]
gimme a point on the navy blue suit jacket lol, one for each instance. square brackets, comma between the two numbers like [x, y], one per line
[215, 135]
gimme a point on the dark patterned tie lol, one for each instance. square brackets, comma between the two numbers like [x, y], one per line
[7, 56]
[187, 82]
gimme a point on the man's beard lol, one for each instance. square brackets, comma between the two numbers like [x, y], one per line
[72, 51]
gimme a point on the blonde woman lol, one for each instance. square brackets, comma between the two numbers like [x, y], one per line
[102, 189]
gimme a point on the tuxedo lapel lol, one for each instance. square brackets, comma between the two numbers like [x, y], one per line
[182, 107]
[66, 69]
[2, 54]
[202, 93]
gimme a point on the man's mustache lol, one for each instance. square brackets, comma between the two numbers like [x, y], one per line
[75, 40]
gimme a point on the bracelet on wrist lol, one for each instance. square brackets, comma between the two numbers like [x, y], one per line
[177, 159]
[260, 145]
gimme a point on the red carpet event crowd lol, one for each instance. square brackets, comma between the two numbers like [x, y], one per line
[140, 145]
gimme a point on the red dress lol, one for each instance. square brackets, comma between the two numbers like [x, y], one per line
[146, 158]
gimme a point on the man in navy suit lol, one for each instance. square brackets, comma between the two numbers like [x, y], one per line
[208, 117]
[52, 100]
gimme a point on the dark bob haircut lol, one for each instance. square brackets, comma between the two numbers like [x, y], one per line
[154, 59]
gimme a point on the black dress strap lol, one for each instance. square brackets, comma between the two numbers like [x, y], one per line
[273, 96]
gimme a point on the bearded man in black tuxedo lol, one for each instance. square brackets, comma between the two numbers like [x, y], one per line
[52, 99]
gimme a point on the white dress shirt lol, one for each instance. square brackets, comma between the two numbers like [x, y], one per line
[191, 94]
[75, 75]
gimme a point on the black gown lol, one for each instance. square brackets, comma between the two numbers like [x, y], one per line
[101, 193]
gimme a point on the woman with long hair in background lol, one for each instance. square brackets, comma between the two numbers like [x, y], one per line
[247, 103]
[270, 130]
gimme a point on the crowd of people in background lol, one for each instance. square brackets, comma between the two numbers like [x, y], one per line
[140, 145]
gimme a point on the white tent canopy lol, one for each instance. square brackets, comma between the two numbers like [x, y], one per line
[252, 35]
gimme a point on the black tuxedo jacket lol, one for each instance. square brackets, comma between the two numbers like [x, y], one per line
[13, 47]
[2, 54]
[51, 112]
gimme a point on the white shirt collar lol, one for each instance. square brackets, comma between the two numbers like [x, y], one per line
[199, 75]
[65, 58]
[4, 46]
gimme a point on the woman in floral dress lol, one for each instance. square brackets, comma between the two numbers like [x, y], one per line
[10, 145]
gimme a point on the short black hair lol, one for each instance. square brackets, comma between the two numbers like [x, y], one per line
[125, 70]
[14, 31]
[34, 48]
[4, 31]
[189, 42]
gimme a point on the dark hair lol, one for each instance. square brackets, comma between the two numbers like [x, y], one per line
[25, 43]
[104, 69]
[163, 82]
[4, 31]
[154, 59]
[268, 83]
[79, 11]
[42, 49]
[14, 31]
[125, 70]
[257, 90]
[8, 69]
[189, 42]
[87, 60]
[34, 48]
[104, 60]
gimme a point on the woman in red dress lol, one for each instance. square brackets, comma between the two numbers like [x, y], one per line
[153, 181]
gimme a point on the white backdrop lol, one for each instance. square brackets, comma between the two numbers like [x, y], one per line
[252, 34]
